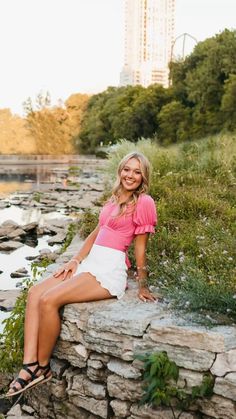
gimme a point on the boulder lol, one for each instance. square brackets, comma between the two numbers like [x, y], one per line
[9, 246]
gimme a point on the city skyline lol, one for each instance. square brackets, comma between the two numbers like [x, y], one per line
[149, 33]
[75, 46]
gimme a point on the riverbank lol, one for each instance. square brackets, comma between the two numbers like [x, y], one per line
[34, 223]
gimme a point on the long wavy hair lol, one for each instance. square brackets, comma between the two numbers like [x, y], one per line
[143, 187]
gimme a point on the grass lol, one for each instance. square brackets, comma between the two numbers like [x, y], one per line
[191, 258]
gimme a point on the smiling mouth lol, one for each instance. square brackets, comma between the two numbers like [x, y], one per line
[130, 182]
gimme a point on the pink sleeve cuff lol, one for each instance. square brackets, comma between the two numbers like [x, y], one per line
[144, 229]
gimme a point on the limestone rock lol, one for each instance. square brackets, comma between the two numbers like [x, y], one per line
[18, 232]
[122, 368]
[19, 273]
[100, 357]
[73, 353]
[188, 379]
[15, 412]
[71, 333]
[58, 367]
[81, 385]
[114, 344]
[95, 364]
[226, 386]
[39, 398]
[66, 410]
[176, 331]
[29, 227]
[122, 318]
[58, 389]
[97, 375]
[160, 413]
[217, 407]
[8, 299]
[9, 246]
[58, 238]
[10, 224]
[130, 390]
[97, 407]
[120, 408]
[27, 409]
[193, 359]
[225, 362]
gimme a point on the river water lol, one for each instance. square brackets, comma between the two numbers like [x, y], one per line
[20, 173]
[27, 173]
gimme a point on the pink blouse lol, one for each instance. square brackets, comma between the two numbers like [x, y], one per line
[118, 232]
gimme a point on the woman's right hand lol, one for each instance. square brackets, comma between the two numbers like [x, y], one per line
[67, 270]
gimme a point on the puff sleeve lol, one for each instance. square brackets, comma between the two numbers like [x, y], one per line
[145, 215]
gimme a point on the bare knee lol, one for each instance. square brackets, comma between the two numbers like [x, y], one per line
[36, 291]
[34, 294]
[47, 301]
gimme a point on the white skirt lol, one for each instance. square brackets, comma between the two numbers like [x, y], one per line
[108, 266]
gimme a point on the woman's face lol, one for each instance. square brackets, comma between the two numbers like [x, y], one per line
[131, 176]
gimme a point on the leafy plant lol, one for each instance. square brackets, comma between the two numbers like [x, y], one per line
[191, 255]
[87, 223]
[71, 232]
[74, 170]
[37, 196]
[160, 377]
[12, 337]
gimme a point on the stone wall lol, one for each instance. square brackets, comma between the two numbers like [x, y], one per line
[94, 371]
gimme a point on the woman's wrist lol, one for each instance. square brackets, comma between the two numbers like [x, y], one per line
[141, 277]
[142, 282]
[78, 261]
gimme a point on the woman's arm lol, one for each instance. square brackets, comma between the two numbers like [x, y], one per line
[140, 248]
[70, 267]
[87, 245]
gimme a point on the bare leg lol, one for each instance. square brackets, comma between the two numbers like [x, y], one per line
[32, 324]
[81, 288]
[32, 317]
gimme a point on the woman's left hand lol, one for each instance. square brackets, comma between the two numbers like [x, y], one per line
[145, 295]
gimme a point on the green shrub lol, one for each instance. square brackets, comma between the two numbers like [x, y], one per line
[88, 222]
[193, 185]
[160, 384]
[12, 337]
[71, 232]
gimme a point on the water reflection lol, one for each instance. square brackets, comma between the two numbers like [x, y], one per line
[26, 216]
[23, 173]
[8, 187]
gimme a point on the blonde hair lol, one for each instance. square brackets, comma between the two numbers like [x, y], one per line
[143, 187]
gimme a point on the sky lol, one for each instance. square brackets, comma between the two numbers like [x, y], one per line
[76, 46]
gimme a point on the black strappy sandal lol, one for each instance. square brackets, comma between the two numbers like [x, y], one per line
[25, 384]
[44, 377]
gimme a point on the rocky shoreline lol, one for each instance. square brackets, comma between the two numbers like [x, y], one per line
[72, 193]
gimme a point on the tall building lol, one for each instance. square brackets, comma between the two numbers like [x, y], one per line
[149, 35]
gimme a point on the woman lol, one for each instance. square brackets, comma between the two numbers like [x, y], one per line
[129, 214]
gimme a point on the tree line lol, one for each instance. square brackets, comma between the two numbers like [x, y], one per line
[54, 128]
[201, 100]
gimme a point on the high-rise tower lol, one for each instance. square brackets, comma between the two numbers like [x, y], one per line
[149, 35]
